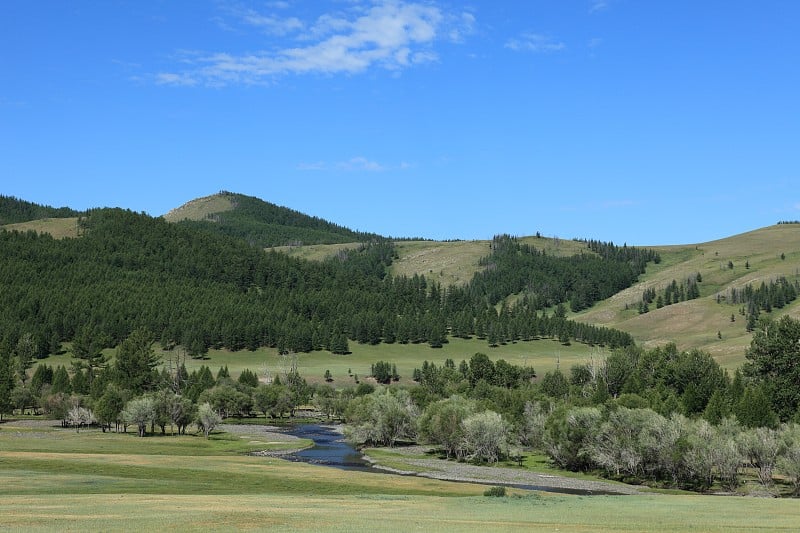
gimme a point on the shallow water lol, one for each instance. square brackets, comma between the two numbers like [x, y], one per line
[331, 449]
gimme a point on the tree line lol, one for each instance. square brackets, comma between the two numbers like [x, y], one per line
[547, 280]
[671, 294]
[13, 211]
[765, 297]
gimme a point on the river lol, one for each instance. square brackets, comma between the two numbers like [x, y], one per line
[331, 449]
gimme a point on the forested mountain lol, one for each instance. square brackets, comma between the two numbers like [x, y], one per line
[13, 210]
[264, 224]
[200, 289]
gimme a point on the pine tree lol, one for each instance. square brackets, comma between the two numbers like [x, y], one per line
[136, 362]
[6, 377]
[61, 381]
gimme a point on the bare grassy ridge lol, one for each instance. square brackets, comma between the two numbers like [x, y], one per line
[200, 208]
[315, 252]
[59, 228]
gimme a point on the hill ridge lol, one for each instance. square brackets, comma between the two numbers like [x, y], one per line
[260, 222]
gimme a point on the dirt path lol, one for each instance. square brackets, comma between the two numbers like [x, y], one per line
[455, 471]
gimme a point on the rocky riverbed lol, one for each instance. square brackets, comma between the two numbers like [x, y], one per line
[465, 472]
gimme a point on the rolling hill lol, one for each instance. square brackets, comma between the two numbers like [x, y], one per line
[690, 324]
[709, 322]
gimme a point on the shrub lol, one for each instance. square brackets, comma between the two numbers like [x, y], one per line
[496, 491]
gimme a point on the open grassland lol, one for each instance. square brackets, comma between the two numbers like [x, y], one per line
[379, 512]
[59, 228]
[50, 460]
[59, 480]
[456, 262]
[200, 208]
[542, 355]
[448, 263]
[315, 252]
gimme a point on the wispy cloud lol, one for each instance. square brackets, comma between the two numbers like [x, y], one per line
[534, 42]
[361, 164]
[354, 164]
[178, 79]
[598, 5]
[387, 34]
[271, 23]
[461, 27]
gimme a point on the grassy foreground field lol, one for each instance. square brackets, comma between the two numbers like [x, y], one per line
[309, 512]
[60, 480]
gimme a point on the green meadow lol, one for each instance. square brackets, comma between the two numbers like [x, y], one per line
[542, 355]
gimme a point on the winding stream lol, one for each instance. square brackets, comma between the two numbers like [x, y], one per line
[331, 449]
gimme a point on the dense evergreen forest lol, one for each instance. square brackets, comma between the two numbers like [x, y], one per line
[265, 224]
[14, 210]
[202, 290]
[547, 280]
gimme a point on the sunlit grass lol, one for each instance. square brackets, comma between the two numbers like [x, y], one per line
[61, 480]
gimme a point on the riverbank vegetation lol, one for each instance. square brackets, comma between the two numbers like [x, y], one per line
[662, 417]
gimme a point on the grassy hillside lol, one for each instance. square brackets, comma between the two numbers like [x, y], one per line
[695, 323]
[316, 252]
[455, 262]
[701, 323]
[201, 208]
[59, 228]
[690, 324]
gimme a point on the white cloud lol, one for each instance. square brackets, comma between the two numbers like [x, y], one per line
[361, 164]
[598, 5]
[461, 27]
[167, 78]
[386, 34]
[272, 24]
[534, 42]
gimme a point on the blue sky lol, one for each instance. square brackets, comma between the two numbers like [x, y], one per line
[646, 122]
